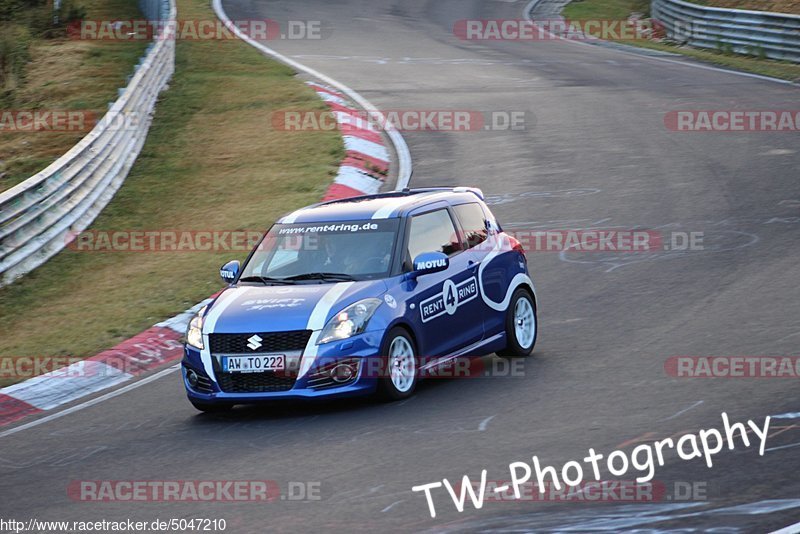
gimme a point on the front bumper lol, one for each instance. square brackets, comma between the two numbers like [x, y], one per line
[359, 352]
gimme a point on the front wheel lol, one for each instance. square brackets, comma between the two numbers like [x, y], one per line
[521, 325]
[399, 379]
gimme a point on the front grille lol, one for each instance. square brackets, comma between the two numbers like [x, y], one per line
[270, 342]
[265, 382]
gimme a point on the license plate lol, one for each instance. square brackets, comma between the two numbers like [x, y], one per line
[254, 364]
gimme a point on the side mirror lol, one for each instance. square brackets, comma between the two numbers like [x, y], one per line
[429, 263]
[230, 271]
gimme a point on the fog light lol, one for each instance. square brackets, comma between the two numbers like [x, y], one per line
[342, 373]
[192, 378]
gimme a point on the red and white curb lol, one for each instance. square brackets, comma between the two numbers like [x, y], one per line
[366, 163]
[155, 347]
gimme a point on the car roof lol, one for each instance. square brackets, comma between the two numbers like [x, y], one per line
[381, 206]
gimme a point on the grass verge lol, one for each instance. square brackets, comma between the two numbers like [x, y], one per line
[211, 161]
[64, 74]
[622, 9]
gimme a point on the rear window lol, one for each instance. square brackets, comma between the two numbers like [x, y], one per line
[473, 221]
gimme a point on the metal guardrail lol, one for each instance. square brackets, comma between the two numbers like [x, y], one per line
[758, 33]
[39, 216]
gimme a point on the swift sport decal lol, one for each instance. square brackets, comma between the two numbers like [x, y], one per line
[447, 302]
[269, 304]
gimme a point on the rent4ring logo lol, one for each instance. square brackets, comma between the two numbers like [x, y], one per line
[452, 296]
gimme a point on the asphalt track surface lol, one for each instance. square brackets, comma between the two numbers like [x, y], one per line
[595, 153]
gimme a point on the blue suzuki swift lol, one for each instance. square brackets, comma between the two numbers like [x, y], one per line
[362, 295]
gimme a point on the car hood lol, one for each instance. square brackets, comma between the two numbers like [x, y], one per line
[248, 308]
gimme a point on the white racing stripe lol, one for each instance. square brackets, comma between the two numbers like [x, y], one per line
[292, 217]
[317, 321]
[227, 298]
[391, 206]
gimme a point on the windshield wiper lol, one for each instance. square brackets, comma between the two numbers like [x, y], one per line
[322, 276]
[266, 280]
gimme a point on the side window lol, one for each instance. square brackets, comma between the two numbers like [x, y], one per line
[473, 221]
[432, 232]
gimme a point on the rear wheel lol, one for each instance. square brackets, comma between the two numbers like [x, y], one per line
[521, 325]
[211, 408]
[400, 377]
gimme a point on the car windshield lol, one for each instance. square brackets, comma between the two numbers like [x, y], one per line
[324, 251]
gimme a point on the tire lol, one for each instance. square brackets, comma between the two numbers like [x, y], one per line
[397, 386]
[520, 340]
[211, 408]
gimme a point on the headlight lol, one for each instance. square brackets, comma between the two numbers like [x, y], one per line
[350, 321]
[194, 334]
